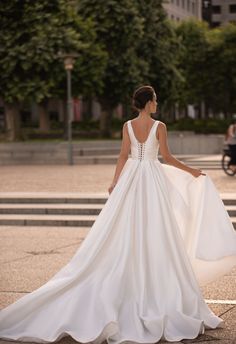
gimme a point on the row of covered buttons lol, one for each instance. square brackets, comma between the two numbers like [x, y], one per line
[141, 150]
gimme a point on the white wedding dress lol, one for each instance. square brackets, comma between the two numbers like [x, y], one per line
[136, 276]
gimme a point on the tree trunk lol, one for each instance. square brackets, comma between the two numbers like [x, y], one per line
[206, 111]
[44, 121]
[13, 121]
[105, 121]
[87, 110]
[202, 110]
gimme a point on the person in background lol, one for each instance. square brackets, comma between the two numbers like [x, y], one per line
[231, 141]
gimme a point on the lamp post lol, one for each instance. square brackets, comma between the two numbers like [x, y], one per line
[69, 60]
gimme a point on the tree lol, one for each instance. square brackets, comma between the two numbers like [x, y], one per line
[119, 28]
[193, 61]
[32, 34]
[208, 64]
[221, 69]
[159, 47]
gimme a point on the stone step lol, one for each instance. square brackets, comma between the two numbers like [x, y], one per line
[66, 209]
[58, 209]
[45, 147]
[77, 151]
[231, 210]
[111, 159]
[47, 220]
[52, 198]
[229, 199]
[233, 219]
[103, 153]
[54, 220]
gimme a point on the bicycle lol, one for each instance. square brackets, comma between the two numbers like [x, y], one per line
[225, 161]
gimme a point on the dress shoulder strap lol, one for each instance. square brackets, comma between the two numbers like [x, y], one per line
[129, 128]
[155, 125]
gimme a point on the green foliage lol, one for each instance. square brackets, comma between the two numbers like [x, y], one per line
[141, 45]
[221, 69]
[200, 126]
[159, 48]
[32, 33]
[120, 45]
[119, 28]
[192, 61]
[208, 65]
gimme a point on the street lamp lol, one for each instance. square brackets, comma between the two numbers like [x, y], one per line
[69, 60]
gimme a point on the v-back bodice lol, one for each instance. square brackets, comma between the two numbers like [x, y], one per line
[147, 150]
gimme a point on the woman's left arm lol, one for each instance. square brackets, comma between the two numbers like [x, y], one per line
[168, 157]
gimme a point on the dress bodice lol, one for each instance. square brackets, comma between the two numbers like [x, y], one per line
[147, 150]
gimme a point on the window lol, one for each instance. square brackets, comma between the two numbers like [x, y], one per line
[215, 24]
[172, 17]
[183, 3]
[206, 3]
[193, 7]
[216, 9]
[232, 8]
[177, 2]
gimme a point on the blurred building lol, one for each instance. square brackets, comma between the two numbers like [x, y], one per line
[219, 12]
[183, 9]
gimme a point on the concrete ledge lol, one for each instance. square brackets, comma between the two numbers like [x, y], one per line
[100, 152]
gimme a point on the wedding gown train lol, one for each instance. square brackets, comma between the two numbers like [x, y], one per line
[161, 234]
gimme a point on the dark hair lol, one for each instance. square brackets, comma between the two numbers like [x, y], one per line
[142, 95]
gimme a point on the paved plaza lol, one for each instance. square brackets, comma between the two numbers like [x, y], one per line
[78, 178]
[30, 255]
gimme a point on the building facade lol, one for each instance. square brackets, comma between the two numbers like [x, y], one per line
[183, 9]
[219, 12]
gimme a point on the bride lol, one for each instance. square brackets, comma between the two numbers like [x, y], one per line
[161, 235]
[143, 121]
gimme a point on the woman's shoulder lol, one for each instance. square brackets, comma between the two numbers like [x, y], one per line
[125, 124]
[162, 125]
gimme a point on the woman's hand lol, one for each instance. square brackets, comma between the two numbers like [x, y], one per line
[111, 187]
[196, 172]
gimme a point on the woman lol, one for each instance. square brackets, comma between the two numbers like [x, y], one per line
[136, 275]
[143, 121]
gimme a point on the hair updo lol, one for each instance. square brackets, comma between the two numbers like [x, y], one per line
[142, 95]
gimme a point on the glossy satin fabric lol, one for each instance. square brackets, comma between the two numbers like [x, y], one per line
[136, 275]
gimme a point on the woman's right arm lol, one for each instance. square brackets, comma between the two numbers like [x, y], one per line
[123, 156]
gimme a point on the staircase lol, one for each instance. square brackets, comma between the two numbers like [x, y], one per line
[62, 210]
[106, 152]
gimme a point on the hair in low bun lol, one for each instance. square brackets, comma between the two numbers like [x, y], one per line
[137, 104]
[141, 96]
